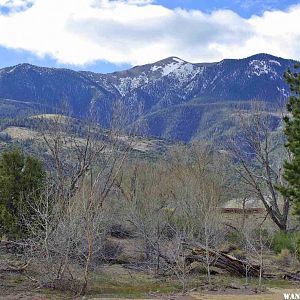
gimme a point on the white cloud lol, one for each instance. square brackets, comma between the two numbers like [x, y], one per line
[139, 31]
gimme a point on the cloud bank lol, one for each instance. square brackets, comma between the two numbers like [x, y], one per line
[139, 31]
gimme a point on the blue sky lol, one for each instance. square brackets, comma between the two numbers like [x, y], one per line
[244, 8]
[106, 36]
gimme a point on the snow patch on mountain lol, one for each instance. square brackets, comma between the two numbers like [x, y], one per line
[187, 72]
[262, 67]
[12, 70]
[168, 68]
[283, 91]
[178, 69]
[155, 68]
[127, 84]
[171, 67]
[275, 62]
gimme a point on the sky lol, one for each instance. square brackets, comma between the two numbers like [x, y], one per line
[111, 35]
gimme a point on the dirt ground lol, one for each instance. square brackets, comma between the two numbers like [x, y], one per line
[273, 294]
[118, 281]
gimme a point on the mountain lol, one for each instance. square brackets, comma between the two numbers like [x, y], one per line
[175, 99]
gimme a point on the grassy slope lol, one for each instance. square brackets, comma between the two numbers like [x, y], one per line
[198, 120]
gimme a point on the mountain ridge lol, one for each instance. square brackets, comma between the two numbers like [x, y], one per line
[166, 88]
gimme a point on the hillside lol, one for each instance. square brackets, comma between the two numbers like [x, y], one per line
[28, 133]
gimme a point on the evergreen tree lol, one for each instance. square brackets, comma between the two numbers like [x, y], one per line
[292, 131]
[21, 180]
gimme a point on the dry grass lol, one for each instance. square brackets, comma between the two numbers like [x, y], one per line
[19, 133]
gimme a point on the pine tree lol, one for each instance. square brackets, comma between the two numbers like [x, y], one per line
[292, 132]
[21, 180]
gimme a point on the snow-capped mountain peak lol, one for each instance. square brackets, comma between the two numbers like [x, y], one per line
[157, 87]
[175, 68]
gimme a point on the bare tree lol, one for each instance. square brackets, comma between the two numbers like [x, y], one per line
[254, 151]
[173, 202]
[72, 149]
[84, 162]
[145, 205]
[257, 241]
[198, 190]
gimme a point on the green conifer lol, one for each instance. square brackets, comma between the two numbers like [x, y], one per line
[292, 132]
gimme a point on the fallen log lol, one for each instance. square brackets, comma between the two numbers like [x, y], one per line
[291, 276]
[222, 261]
[283, 275]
